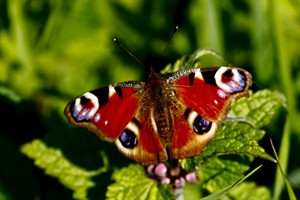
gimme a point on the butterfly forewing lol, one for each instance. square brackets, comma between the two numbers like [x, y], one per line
[105, 111]
[209, 91]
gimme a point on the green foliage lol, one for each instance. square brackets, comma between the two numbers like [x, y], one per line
[286, 181]
[52, 50]
[56, 165]
[219, 173]
[259, 108]
[237, 139]
[239, 191]
[132, 183]
[248, 190]
[9, 94]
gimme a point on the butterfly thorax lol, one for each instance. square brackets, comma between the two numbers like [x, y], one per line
[157, 95]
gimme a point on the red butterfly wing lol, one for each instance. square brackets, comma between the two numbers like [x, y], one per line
[147, 148]
[205, 97]
[209, 91]
[189, 138]
[116, 114]
[105, 111]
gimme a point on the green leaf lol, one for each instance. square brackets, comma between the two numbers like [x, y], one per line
[56, 165]
[259, 108]
[238, 138]
[192, 191]
[9, 94]
[291, 193]
[132, 183]
[240, 186]
[219, 172]
[248, 190]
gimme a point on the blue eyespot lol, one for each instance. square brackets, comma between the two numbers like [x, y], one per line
[201, 125]
[128, 139]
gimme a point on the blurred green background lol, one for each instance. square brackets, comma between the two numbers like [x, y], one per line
[54, 50]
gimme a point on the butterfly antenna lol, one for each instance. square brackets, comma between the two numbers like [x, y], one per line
[128, 52]
[169, 41]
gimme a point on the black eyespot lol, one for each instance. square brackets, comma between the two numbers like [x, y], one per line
[84, 100]
[201, 125]
[128, 139]
[228, 73]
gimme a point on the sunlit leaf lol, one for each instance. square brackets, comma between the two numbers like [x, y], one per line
[53, 162]
[225, 193]
[259, 108]
[133, 183]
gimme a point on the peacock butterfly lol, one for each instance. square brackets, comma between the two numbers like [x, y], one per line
[171, 117]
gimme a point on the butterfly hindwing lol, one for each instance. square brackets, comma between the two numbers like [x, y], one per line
[147, 146]
[191, 134]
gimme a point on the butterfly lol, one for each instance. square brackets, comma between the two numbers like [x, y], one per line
[165, 117]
